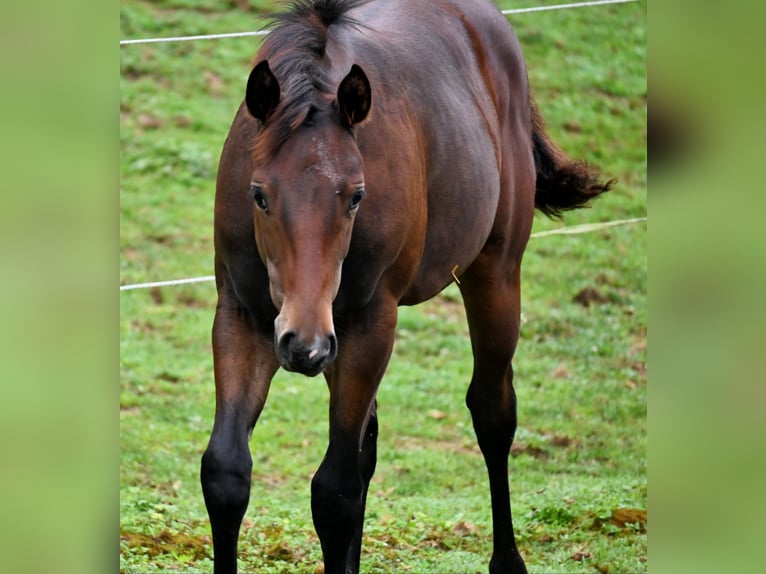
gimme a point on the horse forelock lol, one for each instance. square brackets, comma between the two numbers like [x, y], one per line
[295, 50]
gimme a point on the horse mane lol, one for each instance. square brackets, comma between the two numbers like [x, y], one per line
[295, 50]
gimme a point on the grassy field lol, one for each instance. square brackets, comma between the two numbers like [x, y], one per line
[578, 471]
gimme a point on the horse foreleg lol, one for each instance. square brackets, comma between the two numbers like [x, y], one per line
[337, 506]
[492, 308]
[367, 460]
[339, 487]
[244, 364]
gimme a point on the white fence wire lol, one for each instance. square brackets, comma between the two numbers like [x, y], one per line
[571, 230]
[265, 32]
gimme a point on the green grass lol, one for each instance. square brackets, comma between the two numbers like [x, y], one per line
[578, 471]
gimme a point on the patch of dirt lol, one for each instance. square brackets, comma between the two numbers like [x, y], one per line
[624, 518]
[518, 449]
[573, 127]
[639, 367]
[418, 443]
[560, 441]
[268, 480]
[639, 347]
[539, 452]
[156, 294]
[131, 254]
[282, 551]
[149, 122]
[561, 372]
[243, 5]
[463, 528]
[214, 83]
[192, 302]
[589, 296]
[167, 542]
[182, 121]
[580, 554]
[169, 377]
[142, 326]
[437, 414]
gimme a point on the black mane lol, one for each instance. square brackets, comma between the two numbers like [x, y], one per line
[295, 50]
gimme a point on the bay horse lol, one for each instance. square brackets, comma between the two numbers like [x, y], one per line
[383, 149]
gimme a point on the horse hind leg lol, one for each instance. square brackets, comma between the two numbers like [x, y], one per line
[492, 304]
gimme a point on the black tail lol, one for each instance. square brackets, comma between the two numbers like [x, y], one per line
[562, 184]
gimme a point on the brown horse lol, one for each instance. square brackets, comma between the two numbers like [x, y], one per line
[383, 149]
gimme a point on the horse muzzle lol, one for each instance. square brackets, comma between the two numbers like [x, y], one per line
[308, 358]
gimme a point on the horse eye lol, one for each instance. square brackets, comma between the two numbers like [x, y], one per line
[259, 198]
[356, 199]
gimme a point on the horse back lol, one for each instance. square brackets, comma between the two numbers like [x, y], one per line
[455, 71]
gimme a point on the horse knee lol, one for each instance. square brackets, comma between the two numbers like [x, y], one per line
[491, 391]
[493, 410]
[225, 478]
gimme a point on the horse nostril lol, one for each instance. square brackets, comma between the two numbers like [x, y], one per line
[283, 345]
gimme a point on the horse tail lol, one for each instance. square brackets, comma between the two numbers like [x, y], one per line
[562, 183]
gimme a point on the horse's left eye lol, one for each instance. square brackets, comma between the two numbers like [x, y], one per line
[356, 199]
[259, 198]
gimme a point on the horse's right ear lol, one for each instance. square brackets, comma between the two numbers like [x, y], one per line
[262, 94]
[354, 96]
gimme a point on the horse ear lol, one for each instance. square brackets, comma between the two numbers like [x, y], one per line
[354, 96]
[262, 93]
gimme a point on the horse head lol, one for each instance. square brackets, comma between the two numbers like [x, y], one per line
[306, 194]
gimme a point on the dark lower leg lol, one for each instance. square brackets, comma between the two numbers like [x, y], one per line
[494, 420]
[367, 461]
[505, 554]
[339, 488]
[337, 505]
[225, 477]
